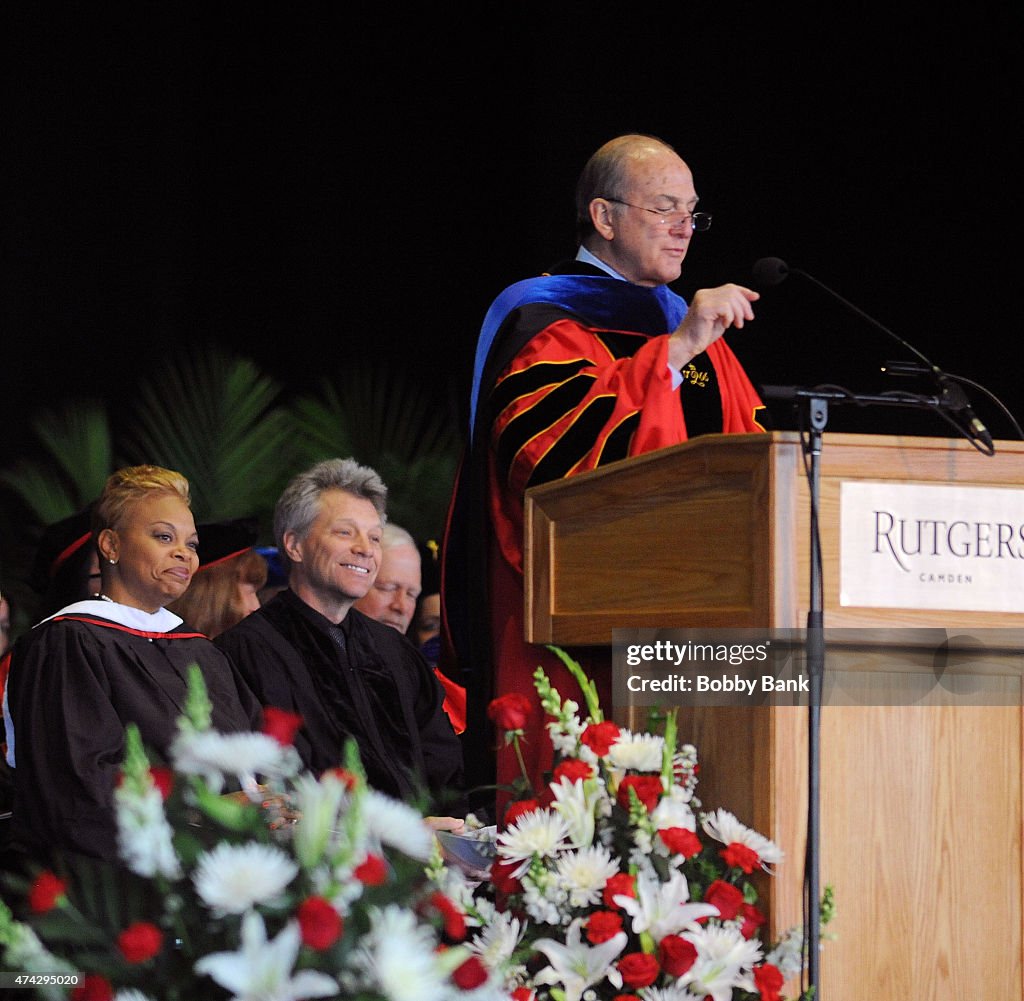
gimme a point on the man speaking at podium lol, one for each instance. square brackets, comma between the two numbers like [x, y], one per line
[592, 362]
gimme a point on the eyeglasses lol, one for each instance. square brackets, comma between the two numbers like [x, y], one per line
[699, 221]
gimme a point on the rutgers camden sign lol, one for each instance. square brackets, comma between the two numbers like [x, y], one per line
[936, 547]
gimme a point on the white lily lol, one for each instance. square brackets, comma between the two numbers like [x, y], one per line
[575, 803]
[318, 803]
[576, 965]
[261, 970]
[662, 908]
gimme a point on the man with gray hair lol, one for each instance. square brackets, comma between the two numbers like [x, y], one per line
[308, 651]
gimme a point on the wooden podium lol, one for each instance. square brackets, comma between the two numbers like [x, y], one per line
[921, 805]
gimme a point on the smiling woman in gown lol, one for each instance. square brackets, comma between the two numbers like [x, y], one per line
[121, 657]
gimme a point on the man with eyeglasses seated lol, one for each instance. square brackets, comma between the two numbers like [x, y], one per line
[592, 362]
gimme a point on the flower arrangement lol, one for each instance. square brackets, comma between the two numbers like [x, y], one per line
[614, 883]
[223, 896]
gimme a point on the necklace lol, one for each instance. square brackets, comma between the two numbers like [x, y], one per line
[103, 597]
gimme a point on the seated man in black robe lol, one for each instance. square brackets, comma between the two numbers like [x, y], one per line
[310, 652]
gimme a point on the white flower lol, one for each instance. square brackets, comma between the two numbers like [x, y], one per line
[674, 992]
[318, 804]
[575, 802]
[540, 833]
[724, 827]
[498, 940]
[214, 755]
[232, 878]
[391, 822]
[673, 810]
[131, 994]
[724, 961]
[144, 837]
[576, 965]
[396, 957]
[788, 955]
[638, 752]
[584, 873]
[662, 908]
[262, 970]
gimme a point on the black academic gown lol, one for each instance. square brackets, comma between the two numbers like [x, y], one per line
[76, 680]
[361, 680]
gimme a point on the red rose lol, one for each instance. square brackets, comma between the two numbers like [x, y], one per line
[599, 737]
[603, 925]
[680, 841]
[93, 988]
[648, 789]
[454, 919]
[523, 994]
[511, 711]
[372, 871]
[619, 885]
[625, 997]
[726, 897]
[676, 955]
[281, 724]
[320, 924]
[573, 769]
[752, 920]
[518, 808]
[470, 975]
[768, 980]
[140, 941]
[638, 969]
[163, 779]
[46, 891]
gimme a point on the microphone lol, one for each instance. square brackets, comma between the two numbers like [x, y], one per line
[770, 271]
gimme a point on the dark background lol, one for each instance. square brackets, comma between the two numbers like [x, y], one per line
[319, 184]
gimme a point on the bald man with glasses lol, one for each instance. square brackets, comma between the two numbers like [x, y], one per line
[592, 362]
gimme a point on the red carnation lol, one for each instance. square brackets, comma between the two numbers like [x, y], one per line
[93, 988]
[140, 941]
[619, 885]
[321, 925]
[726, 897]
[676, 955]
[163, 779]
[470, 975]
[454, 919]
[281, 724]
[372, 871]
[741, 856]
[768, 980]
[348, 779]
[752, 920]
[573, 769]
[648, 789]
[680, 841]
[625, 997]
[599, 737]
[502, 878]
[518, 808]
[46, 891]
[603, 925]
[523, 994]
[638, 969]
[511, 711]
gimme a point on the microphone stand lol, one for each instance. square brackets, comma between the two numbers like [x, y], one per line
[815, 419]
